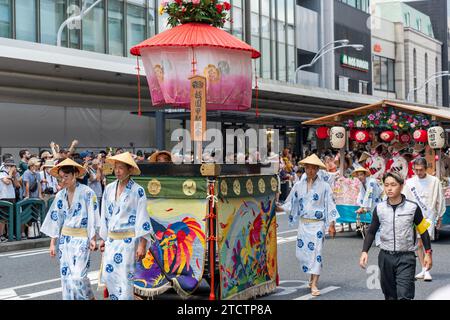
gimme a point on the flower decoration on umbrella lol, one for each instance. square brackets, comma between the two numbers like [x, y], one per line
[390, 119]
[212, 12]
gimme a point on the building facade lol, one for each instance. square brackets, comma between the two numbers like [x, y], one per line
[86, 88]
[406, 54]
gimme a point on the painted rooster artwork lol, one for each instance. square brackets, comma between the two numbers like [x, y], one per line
[180, 250]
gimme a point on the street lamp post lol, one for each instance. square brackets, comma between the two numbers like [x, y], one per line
[79, 17]
[323, 51]
[439, 74]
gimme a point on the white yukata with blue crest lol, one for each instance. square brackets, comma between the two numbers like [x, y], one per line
[317, 204]
[127, 214]
[370, 194]
[73, 252]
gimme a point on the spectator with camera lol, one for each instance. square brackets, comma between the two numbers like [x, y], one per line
[95, 173]
[49, 184]
[9, 181]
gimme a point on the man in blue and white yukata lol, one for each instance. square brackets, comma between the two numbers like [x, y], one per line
[125, 228]
[74, 219]
[312, 201]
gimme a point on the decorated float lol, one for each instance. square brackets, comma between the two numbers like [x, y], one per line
[393, 135]
[212, 222]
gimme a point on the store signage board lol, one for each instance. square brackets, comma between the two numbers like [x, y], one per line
[354, 63]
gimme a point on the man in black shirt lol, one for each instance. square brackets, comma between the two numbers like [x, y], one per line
[397, 218]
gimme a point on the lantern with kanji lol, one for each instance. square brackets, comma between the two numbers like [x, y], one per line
[172, 57]
[323, 133]
[337, 137]
[362, 136]
[420, 136]
[387, 136]
[404, 138]
[436, 137]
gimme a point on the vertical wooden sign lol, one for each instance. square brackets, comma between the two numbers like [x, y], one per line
[198, 113]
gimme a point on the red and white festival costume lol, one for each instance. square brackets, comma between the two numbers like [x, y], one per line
[376, 165]
[397, 164]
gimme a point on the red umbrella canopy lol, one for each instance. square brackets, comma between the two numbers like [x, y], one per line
[172, 57]
[195, 35]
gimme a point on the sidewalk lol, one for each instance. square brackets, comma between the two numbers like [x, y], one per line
[24, 244]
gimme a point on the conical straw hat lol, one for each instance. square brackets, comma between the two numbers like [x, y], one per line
[361, 169]
[67, 163]
[364, 157]
[127, 159]
[313, 160]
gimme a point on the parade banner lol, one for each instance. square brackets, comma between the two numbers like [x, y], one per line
[178, 220]
[247, 240]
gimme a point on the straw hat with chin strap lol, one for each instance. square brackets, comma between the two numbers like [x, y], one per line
[361, 169]
[67, 163]
[127, 159]
[313, 160]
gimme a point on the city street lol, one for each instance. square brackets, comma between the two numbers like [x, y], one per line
[32, 274]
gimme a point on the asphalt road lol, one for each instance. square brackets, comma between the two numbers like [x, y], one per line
[32, 274]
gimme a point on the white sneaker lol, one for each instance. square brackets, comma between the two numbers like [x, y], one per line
[427, 276]
[421, 275]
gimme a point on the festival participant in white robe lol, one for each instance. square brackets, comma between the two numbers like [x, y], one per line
[376, 162]
[397, 163]
[427, 192]
[312, 202]
[370, 193]
[125, 228]
[74, 219]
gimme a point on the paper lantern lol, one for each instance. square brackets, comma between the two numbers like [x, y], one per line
[436, 137]
[420, 136]
[387, 136]
[337, 137]
[362, 136]
[323, 133]
[404, 138]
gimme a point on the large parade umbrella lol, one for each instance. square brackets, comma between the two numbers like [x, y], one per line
[172, 57]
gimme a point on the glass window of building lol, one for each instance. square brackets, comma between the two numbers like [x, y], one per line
[52, 15]
[26, 20]
[391, 75]
[5, 19]
[74, 28]
[237, 16]
[115, 27]
[136, 25]
[265, 41]
[384, 74]
[151, 24]
[93, 29]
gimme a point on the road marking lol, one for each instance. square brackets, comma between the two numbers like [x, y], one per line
[10, 293]
[322, 292]
[289, 231]
[286, 240]
[22, 252]
[281, 213]
[29, 254]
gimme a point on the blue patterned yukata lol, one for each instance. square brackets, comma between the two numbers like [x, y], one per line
[127, 214]
[318, 207]
[73, 251]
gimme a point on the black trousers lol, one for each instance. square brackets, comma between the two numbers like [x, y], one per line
[397, 275]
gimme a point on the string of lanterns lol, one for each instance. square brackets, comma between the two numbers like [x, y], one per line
[434, 136]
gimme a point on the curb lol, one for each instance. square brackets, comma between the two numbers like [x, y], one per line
[24, 245]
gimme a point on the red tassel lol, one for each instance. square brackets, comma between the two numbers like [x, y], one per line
[139, 86]
[105, 293]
